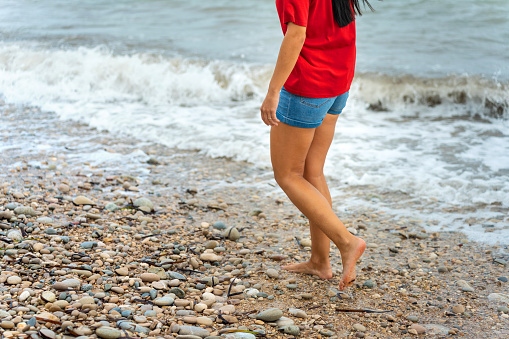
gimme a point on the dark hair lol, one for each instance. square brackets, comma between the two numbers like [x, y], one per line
[344, 10]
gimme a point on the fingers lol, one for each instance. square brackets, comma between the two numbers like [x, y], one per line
[269, 118]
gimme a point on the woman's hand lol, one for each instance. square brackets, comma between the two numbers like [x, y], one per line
[268, 109]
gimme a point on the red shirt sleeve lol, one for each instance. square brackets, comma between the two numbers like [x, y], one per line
[296, 11]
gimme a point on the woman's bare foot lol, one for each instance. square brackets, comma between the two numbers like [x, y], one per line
[323, 271]
[349, 257]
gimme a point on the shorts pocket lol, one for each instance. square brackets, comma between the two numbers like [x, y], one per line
[314, 102]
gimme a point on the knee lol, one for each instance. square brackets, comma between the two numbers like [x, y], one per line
[314, 176]
[285, 180]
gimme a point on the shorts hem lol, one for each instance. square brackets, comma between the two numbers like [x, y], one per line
[297, 123]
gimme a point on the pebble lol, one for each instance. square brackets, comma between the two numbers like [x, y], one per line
[24, 296]
[501, 262]
[88, 244]
[13, 280]
[164, 301]
[82, 200]
[150, 277]
[64, 188]
[291, 330]
[270, 315]
[464, 286]
[298, 313]
[272, 273]
[369, 284]
[207, 256]
[48, 296]
[6, 215]
[112, 207]
[123, 271]
[45, 220]
[15, 235]
[499, 297]
[359, 328]
[144, 202]
[232, 233]
[25, 211]
[108, 332]
[412, 318]
[66, 284]
[193, 330]
[443, 269]
[418, 328]
[502, 279]
[7, 325]
[46, 333]
[327, 333]
[459, 309]
[503, 309]
[219, 225]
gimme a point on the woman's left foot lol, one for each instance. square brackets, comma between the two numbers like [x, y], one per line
[323, 271]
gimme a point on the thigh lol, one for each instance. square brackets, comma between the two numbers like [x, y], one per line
[289, 147]
[320, 145]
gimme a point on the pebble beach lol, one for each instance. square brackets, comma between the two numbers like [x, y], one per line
[105, 236]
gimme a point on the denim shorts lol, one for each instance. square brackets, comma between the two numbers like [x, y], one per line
[304, 112]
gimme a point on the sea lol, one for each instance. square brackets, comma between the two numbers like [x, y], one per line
[424, 136]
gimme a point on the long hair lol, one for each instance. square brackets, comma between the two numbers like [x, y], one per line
[344, 10]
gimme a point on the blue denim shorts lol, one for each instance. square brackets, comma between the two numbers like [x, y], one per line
[304, 112]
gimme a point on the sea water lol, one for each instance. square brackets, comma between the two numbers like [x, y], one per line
[425, 134]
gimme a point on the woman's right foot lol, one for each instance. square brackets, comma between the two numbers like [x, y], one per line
[323, 271]
[349, 257]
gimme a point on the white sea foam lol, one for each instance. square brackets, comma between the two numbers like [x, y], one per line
[436, 140]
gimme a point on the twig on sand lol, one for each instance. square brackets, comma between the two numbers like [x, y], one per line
[364, 310]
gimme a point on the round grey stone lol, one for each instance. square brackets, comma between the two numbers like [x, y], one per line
[270, 315]
[108, 332]
[25, 210]
[291, 330]
[140, 202]
[164, 301]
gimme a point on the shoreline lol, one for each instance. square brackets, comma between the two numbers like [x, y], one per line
[437, 282]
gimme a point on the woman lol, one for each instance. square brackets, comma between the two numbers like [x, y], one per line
[316, 65]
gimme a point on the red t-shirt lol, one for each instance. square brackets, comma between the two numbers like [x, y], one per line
[326, 64]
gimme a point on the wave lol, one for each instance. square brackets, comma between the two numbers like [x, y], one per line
[96, 74]
[36, 75]
[487, 98]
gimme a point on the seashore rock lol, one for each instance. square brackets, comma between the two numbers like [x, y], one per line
[149, 277]
[499, 297]
[464, 286]
[15, 235]
[25, 211]
[193, 330]
[107, 332]
[272, 273]
[144, 202]
[45, 220]
[270, 315]
[6, 215]
[66, 284]
[232, 234]
[418, 328]
[291, 330]
[13, 280]
[82, 200]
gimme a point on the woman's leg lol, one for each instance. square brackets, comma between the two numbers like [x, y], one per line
[290, 147]
[319, 263]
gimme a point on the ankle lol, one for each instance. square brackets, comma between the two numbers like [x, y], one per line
[319, 261]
